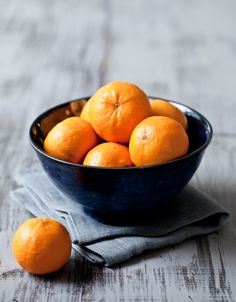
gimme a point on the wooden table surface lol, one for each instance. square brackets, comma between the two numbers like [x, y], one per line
[53, 51]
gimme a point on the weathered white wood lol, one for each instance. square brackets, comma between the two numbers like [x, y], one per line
[178, 49]
[51, 51]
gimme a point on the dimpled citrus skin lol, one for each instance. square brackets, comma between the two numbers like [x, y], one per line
[108, 155]
[116, 109]
[70, 140]
[41, 245]
[164, 108]
[157, 140]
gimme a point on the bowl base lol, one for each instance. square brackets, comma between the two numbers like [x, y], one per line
[142, 217]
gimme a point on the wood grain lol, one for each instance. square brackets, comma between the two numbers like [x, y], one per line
[52, 51]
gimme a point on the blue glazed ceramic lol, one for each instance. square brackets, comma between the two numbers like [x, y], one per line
[120, 190]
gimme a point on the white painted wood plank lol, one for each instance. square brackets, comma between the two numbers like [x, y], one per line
[181, 50]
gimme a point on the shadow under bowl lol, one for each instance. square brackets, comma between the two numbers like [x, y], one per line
[120, 191]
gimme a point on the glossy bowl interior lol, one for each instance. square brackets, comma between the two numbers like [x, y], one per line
[120, 190]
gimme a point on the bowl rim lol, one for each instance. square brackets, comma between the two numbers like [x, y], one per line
[46, 112]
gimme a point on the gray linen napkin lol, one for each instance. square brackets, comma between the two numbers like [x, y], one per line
[189, 214]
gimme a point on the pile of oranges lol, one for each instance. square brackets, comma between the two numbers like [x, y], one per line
[120, 127]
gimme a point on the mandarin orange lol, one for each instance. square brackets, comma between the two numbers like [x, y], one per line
[70, 140]
[165, 108]
[108, 155]
[157, 140]
[41, 245]
[115, 110]
[85, 113]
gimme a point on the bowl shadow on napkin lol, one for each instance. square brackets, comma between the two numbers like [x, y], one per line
[224, 192]
[166, 211]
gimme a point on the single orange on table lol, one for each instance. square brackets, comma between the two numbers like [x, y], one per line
[115, 110]
[108, 155]
[157, 140]
[41, 245]
[71, 139]
[165, 108]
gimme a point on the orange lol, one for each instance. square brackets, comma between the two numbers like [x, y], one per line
[70, 140]
[164, 108]
[115, 110]
[156, 140]
[41, 245]
[108, 155]
[85, 113]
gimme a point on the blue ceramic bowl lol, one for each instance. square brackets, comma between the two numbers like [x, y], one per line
[120, 190]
